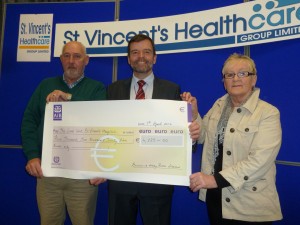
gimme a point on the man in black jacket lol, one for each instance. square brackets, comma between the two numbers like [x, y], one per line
[155, 200]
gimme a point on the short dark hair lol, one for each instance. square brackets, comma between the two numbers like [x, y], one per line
[138, 38]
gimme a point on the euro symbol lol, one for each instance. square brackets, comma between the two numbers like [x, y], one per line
[98, 152]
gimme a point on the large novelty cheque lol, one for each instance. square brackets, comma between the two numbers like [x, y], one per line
[142, 141]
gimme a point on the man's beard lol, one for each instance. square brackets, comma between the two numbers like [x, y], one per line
[72, 73]
[147, 67]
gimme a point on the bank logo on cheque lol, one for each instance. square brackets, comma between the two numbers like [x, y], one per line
[56, 159]
[57, 112]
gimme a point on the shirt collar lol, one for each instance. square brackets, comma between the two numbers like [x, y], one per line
[74, 83]
[149, 79]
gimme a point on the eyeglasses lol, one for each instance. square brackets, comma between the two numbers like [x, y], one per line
[239, 74]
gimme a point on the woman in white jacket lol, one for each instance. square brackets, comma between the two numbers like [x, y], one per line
[241, 136]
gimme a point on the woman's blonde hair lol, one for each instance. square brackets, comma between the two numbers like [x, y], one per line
[242, 57]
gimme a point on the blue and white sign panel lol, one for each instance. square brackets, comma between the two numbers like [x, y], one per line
[254, 22]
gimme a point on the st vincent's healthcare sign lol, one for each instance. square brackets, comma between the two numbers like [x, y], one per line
[34, 40]
[254, 22]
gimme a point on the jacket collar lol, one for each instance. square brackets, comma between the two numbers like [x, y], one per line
[250, 104]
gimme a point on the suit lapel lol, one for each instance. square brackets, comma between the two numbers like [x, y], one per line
[156, 88]
[126, 89]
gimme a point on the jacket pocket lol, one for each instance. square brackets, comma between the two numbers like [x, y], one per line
[257, 186]
[245, 135]
[245, 129]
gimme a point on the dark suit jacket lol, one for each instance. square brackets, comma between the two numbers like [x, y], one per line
[120, 90]
[162, 89]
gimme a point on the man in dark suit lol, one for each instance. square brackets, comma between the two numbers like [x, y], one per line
[154, 200]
